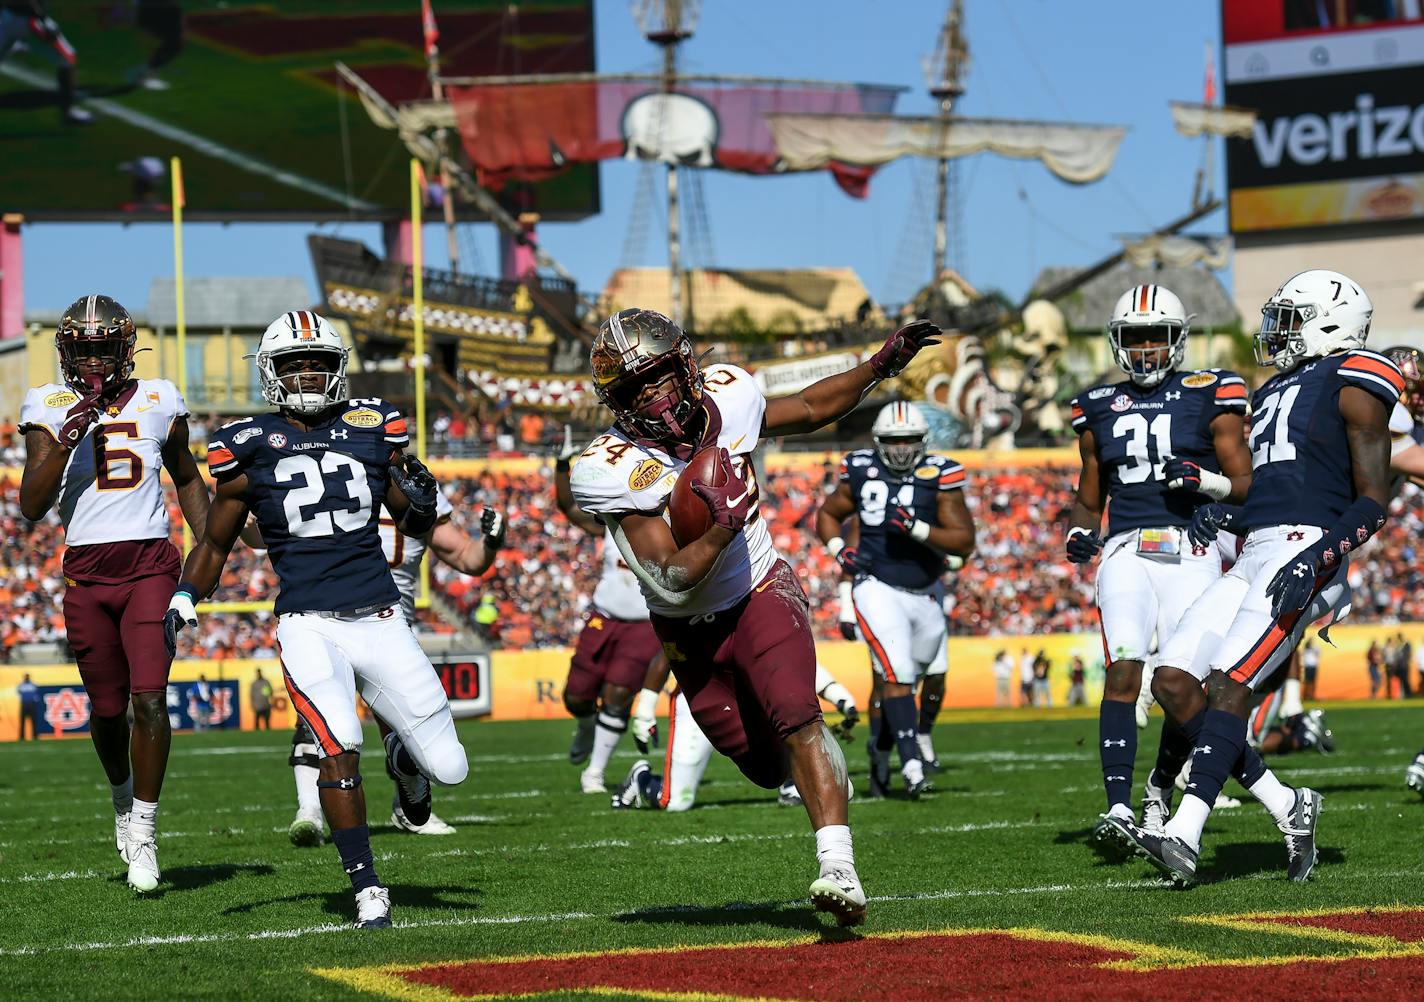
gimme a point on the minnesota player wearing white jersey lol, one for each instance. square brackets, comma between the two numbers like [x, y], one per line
[731, 615]
[95, 446]
[616, 648]
[411, 801]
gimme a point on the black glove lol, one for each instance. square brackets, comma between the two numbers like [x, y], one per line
[493, 525]
[902, 346]
[1207, 522]
[847, 629]
[418, 485]
[1293, 585]
[901, 520]
[848, 721]
[1082, 545]
[1182, 475]
[849, 559]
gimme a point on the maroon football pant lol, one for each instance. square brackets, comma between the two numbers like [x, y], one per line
[116, 631]
[749, 673]
[610, 651]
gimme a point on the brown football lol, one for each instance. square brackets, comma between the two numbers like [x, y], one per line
[689, 513]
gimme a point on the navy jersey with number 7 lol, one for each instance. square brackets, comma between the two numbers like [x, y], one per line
[1137, 429]
[1300, 455]
[317, 495]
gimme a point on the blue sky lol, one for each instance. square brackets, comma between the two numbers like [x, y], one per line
[1110, 61]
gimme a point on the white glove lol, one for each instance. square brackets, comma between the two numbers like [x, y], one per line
[181, 612]
[847, 616]
[645, 721]
[569, 449]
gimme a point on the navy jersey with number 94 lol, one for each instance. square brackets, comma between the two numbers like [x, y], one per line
[1136, 430]
[890, 556]
[316, 495]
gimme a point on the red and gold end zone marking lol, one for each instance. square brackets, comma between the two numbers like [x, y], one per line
[1385, 957]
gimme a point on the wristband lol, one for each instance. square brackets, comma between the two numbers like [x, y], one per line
[187, 589]
[562, 464]
[919, 531]
[843, 591]
[1215, 486]
[834, 546]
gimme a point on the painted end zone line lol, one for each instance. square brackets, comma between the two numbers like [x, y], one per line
[200, 144]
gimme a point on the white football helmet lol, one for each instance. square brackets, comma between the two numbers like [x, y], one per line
[1311, 315]
[1148, 311]
[300, 332]
[900, 431]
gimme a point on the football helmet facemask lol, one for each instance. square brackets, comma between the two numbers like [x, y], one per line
[301, 333]
[900, 433]
[1312, 315]
[95, 339]
[645, 372]
[1148, 333]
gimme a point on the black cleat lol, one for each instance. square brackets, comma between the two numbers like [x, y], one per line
[1111, 842]
[913, 790]
[1299, 830]
[1171, 855]
[412, 789]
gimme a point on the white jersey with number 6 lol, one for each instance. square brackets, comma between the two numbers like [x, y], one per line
[404, 554]
[616, 476]
[618, 593]
[111, 490]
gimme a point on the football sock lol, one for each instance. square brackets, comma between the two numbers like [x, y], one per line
[354, 845]
[1173, 750]
[308, 796]
[833, 847]
[142, 820]
[1290, 698]
[1274, 795]
[605, 738]
[898, 715]
[122, 796]
[1117, 748]
[1215, 757]
[931, 698]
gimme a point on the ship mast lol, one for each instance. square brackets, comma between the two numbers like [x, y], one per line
[945, 75]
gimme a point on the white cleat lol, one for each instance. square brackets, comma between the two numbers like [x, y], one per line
[121, 835]
[838, 892]
[592, 782]
[143, 865]
[373, 908]
[433, 825]
[306, 828]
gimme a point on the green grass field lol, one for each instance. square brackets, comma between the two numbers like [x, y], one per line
[537, 869]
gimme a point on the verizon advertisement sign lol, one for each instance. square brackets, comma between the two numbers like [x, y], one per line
[1340, 130]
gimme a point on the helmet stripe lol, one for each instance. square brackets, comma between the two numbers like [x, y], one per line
[615, 327]
[1154, 297]
[1142, 299]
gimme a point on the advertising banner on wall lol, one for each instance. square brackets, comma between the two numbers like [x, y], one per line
[1339, 94]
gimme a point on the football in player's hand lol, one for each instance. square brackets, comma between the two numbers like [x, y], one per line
[691, 518]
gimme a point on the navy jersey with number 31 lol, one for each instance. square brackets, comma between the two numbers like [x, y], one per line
[316, 495]
[1136, 430]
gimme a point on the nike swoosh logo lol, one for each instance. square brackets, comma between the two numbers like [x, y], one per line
[765, 585]
[148, 408]
[736, 443]
[739, 498]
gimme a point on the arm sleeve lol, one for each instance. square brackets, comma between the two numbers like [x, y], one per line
[228, 449]
[951, 476]
[1080, 417]
[1373, 372]
[394, 427]
[1231, 394]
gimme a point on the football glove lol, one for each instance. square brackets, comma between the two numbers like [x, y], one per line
[847, 610]
[1207, 522]
[731, 503]
[903, 520]
[1293, 585]
[902, 346]
[1082, 544]
[1182, 475]
[851, 717]
[78, 419]
[181, 612]
[416, 482]
[849, 559]
[645, 722]
[567, 451]
[493, 525]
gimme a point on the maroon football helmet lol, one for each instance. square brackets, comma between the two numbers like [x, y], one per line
[645, 372]
[1411, 363]
[96, 339]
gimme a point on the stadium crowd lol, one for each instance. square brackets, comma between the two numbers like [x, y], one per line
[1018, 582]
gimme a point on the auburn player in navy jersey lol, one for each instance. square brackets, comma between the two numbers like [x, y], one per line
[1156, 447]
[1320, 452]
[911, 518]
[315, 474]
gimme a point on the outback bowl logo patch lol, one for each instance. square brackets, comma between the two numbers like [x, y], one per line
[645, 474]
[927, 472]
[1199, 380]
[1121, 402]
[277, 440]
[364, 418]
[63, 398]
